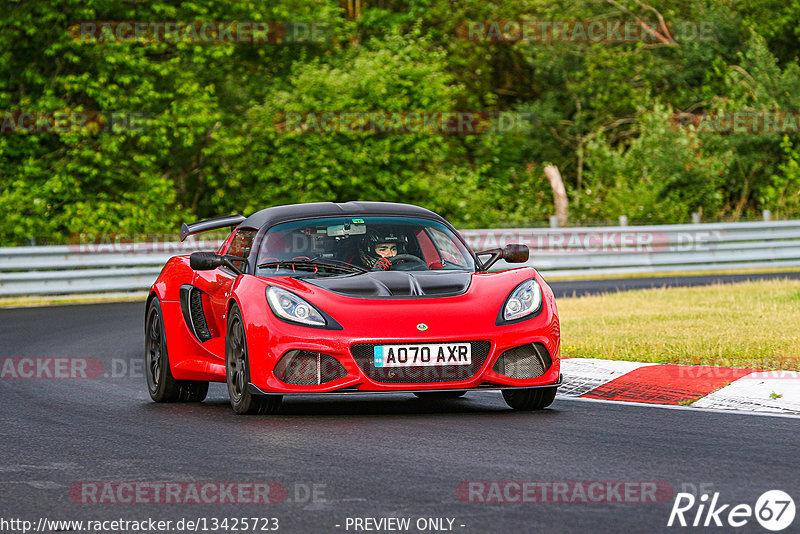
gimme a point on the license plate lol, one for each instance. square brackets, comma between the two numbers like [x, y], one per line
[428, 354]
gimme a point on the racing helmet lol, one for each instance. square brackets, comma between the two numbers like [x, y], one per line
[375, 237]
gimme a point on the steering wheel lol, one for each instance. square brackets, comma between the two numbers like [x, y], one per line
[407, 262]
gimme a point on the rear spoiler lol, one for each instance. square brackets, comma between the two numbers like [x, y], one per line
[211, 224]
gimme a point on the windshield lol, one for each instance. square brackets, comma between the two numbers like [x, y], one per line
[339, 245]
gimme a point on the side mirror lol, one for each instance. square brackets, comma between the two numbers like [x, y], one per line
[516, 253]
[509, 253]
[205, 261]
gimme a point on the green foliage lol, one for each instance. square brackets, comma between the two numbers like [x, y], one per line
[783, 192]
[601, 112]
[394, 74]
[662, 175]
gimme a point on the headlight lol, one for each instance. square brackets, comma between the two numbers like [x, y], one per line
[288, 306]
[525, 300]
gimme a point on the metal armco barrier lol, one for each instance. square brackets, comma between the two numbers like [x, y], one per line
[649, 249]
[568, 252]
[88, 268]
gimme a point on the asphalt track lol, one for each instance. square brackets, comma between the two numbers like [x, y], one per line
[369, 456]
[590, 287]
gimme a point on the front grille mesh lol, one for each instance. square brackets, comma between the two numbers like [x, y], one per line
[364, 356]
[526, 361]
[305, 368]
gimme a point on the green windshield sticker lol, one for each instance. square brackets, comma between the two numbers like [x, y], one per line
[358, 221]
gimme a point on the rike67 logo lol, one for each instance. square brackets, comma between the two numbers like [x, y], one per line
[774, 510]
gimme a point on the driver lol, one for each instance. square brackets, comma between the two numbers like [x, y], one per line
[377, 249]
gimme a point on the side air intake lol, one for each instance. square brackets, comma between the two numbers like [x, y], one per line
[193, 313]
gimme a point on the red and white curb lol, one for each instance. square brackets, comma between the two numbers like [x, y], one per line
[701, 386]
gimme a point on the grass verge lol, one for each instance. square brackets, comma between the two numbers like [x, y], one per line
[751, 324]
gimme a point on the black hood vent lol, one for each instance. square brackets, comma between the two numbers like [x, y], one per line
[397, 284]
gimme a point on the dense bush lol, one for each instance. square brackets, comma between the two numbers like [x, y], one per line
[601, 112]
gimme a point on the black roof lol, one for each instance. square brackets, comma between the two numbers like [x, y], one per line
[293, 212]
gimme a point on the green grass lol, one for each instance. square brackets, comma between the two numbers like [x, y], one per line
[752, 324]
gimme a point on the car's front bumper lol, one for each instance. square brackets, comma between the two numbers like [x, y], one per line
[467, 318]
[359, 376]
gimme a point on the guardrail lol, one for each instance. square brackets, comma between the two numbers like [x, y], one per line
[88, 268]
[568, 252]
[650, 249]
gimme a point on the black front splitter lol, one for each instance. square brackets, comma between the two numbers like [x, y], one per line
[255, 390]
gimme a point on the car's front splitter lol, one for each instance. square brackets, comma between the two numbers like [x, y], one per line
[255, 390]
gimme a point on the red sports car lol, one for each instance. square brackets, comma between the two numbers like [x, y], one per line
[358, 297]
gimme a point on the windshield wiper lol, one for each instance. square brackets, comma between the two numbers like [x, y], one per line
[315, 263]
[340, 263]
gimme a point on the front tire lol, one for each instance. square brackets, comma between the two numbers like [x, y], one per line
[529, 399]
[237, 371]
[161, 385]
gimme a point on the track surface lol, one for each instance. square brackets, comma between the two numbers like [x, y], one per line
[372, 456]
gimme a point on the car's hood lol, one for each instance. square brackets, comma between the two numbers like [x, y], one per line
[400, 284]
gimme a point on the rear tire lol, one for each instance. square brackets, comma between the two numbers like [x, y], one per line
[440, 394]
[237, 371]
[529, 399]
[161, 385]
